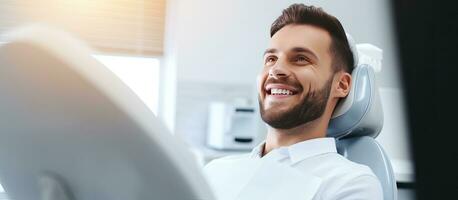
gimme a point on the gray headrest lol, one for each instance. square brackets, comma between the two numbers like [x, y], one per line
[360, 113]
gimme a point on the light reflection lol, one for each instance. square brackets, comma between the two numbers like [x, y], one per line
[139, 73]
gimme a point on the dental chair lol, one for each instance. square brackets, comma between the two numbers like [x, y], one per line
[357, 121]
[71, 130]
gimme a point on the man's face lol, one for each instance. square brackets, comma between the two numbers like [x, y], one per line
[295, 83]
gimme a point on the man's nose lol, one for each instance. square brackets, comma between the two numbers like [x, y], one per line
[279, 71]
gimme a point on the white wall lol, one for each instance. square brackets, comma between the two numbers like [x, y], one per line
[220, 42]
[223, 40]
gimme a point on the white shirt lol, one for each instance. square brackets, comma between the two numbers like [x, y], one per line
[308, 170]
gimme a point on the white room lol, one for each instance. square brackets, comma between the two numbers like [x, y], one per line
[191, 68]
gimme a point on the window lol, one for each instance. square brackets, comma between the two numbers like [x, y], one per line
[111, 26]
[141, 74]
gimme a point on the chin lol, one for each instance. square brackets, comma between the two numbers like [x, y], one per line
[276, 118]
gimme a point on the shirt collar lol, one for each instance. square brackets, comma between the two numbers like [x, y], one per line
[302, 150]
[257, 151]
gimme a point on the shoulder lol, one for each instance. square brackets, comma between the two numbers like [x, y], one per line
[344, 179]
[359, 182]
[362, 187]
[351, 168]
[334, 166]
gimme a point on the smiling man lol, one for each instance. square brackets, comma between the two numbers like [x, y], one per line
[307, 70]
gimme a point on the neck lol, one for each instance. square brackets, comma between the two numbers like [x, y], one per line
[285, 137]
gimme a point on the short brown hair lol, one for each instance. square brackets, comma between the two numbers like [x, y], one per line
[311, 15]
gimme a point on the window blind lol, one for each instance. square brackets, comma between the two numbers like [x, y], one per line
[129, 27]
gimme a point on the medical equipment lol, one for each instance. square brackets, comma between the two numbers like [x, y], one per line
[358, 119]
[232, 126]
[71, 130]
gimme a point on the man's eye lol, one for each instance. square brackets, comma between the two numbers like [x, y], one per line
[301, 59]
[270, 59]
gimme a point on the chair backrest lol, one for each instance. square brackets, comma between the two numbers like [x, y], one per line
[357, 121]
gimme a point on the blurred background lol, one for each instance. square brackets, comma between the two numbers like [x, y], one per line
[194, 63]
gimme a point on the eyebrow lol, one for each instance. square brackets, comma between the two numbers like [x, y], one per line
[304, 50]
[294, 49]
[270, 51]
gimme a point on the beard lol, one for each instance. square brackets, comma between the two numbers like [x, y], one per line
[309, 109]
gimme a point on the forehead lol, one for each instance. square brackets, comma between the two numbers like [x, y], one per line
[311, 37]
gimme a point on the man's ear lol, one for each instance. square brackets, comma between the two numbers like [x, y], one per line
[343, 84]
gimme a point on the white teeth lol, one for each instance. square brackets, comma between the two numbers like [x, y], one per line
[275, 91]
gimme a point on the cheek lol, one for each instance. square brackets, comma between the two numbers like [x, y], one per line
[309, 80]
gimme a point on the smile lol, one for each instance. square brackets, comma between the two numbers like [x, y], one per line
[280, 90]
[276, 91]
